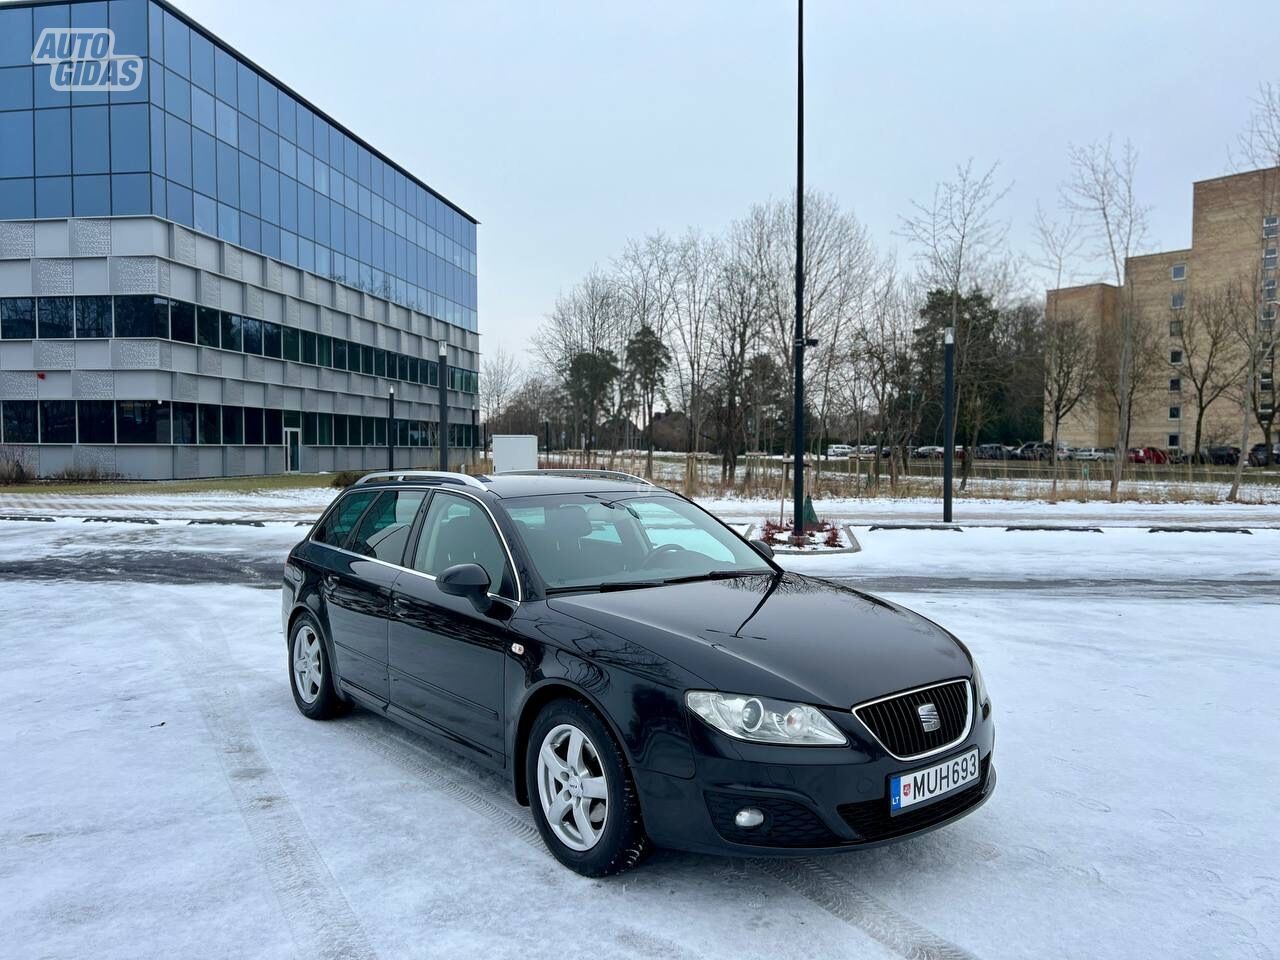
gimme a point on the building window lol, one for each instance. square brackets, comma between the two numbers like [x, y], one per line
[232, 425]
[97, 420]
[209, 424]
[271, 339]
[18, 318]
[1175, 357]
[142, 421]
[291, 343]
[1175, 328]
[1270, 227]
[1175, 384]
[18, 422]
[184, 423]
[253, 432]
[55, 318]
[93, 317]
[208, 327]
[1174, 441]
[1269, 290]
[232, 332]
[1175, 413]
[1269, 258]
[1178, 271]
[1177, 300]
[252, 335]
[57, 421]
[142, 317]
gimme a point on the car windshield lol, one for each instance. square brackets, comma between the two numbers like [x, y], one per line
[606, 541]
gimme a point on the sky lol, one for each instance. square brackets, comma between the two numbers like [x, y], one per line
[567, 127]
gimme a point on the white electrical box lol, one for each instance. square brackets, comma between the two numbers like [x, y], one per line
[514, 452]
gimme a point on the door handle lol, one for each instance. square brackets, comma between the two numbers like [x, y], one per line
[330, 581]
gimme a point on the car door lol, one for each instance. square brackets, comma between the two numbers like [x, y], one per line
[356, 586]
[447, 654]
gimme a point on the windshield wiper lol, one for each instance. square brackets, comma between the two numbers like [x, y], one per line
[606, 587]
[719, 575]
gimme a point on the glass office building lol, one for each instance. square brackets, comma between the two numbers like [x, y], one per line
[206, 275]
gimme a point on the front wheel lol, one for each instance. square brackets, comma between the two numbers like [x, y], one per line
[582, 796]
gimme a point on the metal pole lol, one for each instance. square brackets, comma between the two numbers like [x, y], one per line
[391, 428]
[948, 413]
[443, 369]
[797, 529]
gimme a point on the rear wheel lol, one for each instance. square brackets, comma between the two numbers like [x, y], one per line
[582, 796]
[310, 676]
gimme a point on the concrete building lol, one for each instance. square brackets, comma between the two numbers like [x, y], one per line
[1198, 311]
[203, 274]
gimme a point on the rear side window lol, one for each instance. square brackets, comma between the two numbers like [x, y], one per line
[384, 531]
[337, 523]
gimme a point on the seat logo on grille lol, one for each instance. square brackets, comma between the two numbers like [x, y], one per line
[929, 720]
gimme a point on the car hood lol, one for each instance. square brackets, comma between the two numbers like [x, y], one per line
[784, 636]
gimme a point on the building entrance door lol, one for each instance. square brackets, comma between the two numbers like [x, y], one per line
[292, 450]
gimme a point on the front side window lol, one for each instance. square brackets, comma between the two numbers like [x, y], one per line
[579, 541]
[334, 528]
[384, 531]
[457, 530]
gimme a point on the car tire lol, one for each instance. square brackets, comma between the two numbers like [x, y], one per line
[583, 798]
[310, 674]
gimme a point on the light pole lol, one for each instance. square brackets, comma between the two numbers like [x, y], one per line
[797, 486]
[948, 415]
[443, 369]
[391, 428]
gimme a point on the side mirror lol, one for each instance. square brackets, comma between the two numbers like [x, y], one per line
[465, 580]
[763, 548]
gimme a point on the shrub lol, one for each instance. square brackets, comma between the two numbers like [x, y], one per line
[84, 474]
[14, 472]
[345, 478]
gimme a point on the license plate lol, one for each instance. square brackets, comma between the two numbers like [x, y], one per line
[917, 786]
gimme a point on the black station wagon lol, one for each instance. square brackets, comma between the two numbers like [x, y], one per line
[642, 673]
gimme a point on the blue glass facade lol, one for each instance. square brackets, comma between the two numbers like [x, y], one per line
[211, 143]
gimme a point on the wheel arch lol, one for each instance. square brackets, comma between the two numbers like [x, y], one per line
[537, 698]
[301, 608]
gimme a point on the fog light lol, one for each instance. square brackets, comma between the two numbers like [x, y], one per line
[749, 817]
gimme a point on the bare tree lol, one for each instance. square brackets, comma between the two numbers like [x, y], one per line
[1100, 190]
[1070, 368]
[958, 239]
[500, 378]
[1206, 328]
[697, 260]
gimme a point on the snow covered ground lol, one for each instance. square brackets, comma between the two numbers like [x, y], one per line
[163, 797]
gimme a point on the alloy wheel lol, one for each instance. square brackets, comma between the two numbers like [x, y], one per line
[308, 674]
[572, 787]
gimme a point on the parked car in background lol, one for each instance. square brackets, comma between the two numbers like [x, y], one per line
[1094, 453]
[1218, 455]
[1041, 450]
[1258, 454]
[1147, 455]
[839, 450]
[991, 451]
[927, 452]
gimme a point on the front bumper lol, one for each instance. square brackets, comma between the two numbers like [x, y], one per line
[815, 800]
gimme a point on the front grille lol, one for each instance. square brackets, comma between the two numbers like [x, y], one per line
[871, 819]
[786, 824]
[896, 723]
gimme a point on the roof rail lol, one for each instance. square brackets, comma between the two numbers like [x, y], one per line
[439, 476]
[585, 474]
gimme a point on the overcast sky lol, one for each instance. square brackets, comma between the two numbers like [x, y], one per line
[566, 127]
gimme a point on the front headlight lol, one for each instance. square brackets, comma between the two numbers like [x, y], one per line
[980, 695]
[762, 720]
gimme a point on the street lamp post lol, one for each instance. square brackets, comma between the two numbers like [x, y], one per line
[443, 370]
[797, 486]
[948, 415]
[391, 428]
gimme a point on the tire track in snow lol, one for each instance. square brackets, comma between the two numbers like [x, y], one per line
[804, 877]
[860, 909]
[321, 921]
